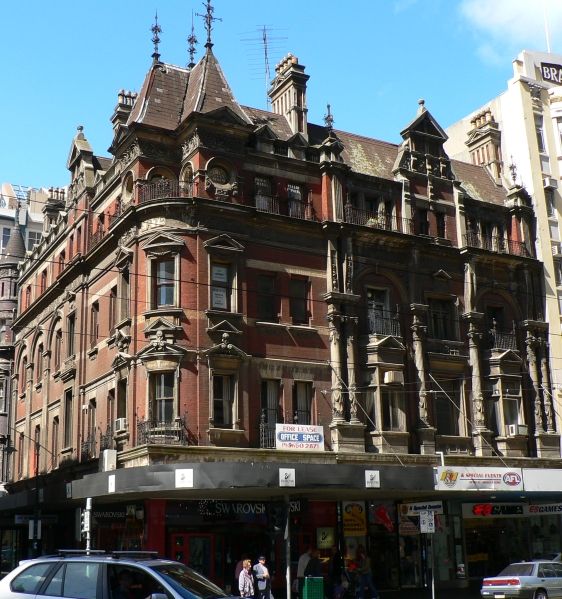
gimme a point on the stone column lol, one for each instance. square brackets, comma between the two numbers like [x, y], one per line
[426, 433]
[547, 388]
[351, 329]
[418, 332]
[338, 414]
[531, 343]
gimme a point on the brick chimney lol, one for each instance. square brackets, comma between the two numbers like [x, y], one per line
[125, 101]
[288, 93]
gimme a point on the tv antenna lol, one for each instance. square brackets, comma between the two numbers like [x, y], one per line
[260, 48]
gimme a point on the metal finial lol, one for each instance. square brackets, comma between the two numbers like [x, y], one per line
[192, 41]
[329, 118]
[513, 171]
[156, 31]
[208, 18]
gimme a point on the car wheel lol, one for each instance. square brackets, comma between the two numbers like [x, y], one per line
[540, 594]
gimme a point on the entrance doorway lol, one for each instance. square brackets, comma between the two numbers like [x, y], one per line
[197, 551]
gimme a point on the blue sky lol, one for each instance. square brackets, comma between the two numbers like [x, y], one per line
[64, 61]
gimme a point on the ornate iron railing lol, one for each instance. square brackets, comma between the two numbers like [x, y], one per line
[88, 448]
[498, 244]
[377, 220]
[162, 432]
[383, 322]
[284, 207]
[164, 188]
[106, 439]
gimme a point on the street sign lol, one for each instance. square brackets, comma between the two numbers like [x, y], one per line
[427, 522]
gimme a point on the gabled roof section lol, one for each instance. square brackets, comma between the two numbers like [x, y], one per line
[389, 342]
[368, 156]
[477, 183]
[425, 124]
[79, 147]
[160, 100]
[208, 91]
[275, 122]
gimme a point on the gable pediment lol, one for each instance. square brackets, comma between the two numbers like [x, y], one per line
[123, 256]
[225, 349]
[298, 139]
[425, 125]
[223, 243]
[161, 349]
[442, 274]
[224, 327]
[163, 243]
[265, 132]
[507, 355]
[225, 115]
[389, 342]
[161, 325]
[121, 359]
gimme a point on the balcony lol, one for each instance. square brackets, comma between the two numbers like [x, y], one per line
[164, 188]
[96, 237]
[497, 244]
[88, 448]
[383, 322]
[377, 220]
[284, 207]
[106, 439]
[162, 432]
[502, 340]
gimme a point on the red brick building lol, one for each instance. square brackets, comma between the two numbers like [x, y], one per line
[231, 269]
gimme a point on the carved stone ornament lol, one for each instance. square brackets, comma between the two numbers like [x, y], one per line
[132, 152]
[159, 342]
[129, 235]
[190, 144]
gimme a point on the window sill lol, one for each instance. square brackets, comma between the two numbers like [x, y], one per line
[303, 328]
[269, 323]
[222, 313]
[38, 385]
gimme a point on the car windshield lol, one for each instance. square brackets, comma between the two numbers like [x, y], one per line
[517, 570]
[188, 583]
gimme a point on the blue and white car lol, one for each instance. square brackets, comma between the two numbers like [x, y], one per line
[100, 575]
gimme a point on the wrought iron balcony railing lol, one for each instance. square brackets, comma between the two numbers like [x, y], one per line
[284, 207]
[377, 220]
[383, 322]
[497, 244]
[162, 432]
[164, 188]
[88, 448]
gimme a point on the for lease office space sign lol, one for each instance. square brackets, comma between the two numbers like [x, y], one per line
[299, 436]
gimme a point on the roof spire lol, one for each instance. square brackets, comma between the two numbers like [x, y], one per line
[208, 18]
[156, 30]
[191, 40]
[329, 118]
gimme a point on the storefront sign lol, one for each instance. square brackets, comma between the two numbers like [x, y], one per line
[551, 72]
[478, 479]
[354, 520]
[427, 522]
[492, 510]
[325, 537]
[414, 509]
[542, 479]
[543, 509]
[299, 436]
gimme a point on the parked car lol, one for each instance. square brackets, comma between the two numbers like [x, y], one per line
[525, 580]
[551, 557]
[100, 575]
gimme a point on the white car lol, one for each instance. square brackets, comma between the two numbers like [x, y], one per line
[100, 575]
[525, 580]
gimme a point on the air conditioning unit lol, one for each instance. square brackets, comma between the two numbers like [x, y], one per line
[120, 424]
[555, 249]
[394, 377]
[550, 182]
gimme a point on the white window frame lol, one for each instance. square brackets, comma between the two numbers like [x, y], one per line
[228, 286]
[233, 400]
[154, 401]
[151, 298]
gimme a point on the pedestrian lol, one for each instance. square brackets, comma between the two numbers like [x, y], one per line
[246, 580]
[336, 575]
[314, 566]
[239, 566]
[365, 576]
[263, 580]
[301, 567]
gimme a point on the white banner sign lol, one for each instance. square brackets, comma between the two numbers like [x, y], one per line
[299, 436]
[414, 509]
[478, 479]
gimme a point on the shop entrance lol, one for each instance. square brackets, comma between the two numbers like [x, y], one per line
[195, 550]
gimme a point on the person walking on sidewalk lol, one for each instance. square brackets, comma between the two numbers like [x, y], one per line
[365, 575]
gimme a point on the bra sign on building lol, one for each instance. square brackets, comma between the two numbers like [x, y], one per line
[551, 72]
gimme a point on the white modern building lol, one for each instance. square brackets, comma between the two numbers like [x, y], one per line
[518, 137]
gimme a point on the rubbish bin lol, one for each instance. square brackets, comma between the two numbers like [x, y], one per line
[313, 588]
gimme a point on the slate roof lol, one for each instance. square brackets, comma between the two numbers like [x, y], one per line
[170, 94]
[15, 248]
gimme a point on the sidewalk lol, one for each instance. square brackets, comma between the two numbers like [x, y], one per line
[469, 593]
